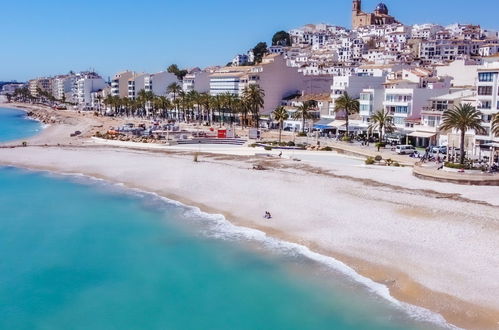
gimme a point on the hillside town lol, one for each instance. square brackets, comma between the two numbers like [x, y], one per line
[408, 75]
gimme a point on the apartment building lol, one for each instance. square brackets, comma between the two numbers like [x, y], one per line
[405, 99]
[272, 75]
[427, 132]
[353, 85]
[197, 80]
[85, 84]
[119, 83]
[43, 84]
[487, 99]
[62, 86]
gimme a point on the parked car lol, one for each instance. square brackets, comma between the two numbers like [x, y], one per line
[439, 149]
[405, 149]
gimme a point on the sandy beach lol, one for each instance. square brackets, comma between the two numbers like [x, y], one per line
[432, 244]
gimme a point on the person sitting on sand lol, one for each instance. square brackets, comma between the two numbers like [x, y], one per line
[267, 215]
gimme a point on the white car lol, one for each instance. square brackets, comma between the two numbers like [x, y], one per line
[405, 149]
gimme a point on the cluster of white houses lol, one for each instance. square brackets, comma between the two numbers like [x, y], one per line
[413, 72]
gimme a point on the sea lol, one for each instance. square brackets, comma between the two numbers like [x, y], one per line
[82, 253]
[15, 125]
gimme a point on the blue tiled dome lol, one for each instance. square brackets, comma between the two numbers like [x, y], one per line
[382, 8]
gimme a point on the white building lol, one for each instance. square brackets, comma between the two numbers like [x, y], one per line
[489, 50]
[487, 99]
[85, 84]
[463, 72]
[427, 132]
[62, 86]
[405, 99]
[197, 80]
[353, 85]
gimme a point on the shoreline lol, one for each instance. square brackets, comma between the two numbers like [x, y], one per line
[402, 285]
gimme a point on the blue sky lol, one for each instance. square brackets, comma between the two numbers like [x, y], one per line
[55, 36]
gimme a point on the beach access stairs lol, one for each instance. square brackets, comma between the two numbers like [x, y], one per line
[224, 141]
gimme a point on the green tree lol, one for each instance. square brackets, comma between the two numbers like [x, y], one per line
[495, 125]
[348, 106]
[177, 72]
[281, 38]
[303, 112]
[206, 101]
[254, 96]
[174, 89]
[382, 122]
[462, 117]
[260, 51]
[280, 115]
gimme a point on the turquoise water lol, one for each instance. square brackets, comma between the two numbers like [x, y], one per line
[14, 125]
[77, 253]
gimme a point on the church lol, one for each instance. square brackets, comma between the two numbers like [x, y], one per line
[380, 16]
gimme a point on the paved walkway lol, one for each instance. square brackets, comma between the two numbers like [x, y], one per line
[366, 151]
[476, 178]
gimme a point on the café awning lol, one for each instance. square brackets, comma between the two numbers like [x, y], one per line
[338, 123]
[323, 124]
[425, 135]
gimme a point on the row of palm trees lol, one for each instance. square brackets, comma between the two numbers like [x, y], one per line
[192, 106]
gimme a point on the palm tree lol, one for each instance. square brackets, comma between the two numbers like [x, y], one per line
[303, 113]
[495, 125]
[174, 89]
[280, 114]
[348, 106]
[254, 96]
[382, 122]
[195, 99]
[218, 103]
[462, 117]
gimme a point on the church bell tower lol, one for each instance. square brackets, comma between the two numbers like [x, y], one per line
[357, 6]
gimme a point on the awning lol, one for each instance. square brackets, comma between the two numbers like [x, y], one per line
[323, 124]
[338, 123]
[491, 145]
[422, 134]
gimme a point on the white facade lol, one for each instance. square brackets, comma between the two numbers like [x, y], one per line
[197, 80]
[370, 101]
[487, 99]
[353, 85]
[62, 87]
[85, 84]
[405, 101]
[463, 72]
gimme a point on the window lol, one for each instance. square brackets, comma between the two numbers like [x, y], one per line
[485, 90]
[485, 105]
[365, 108]
[398, 121]
[486, 76]
[365, 96]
